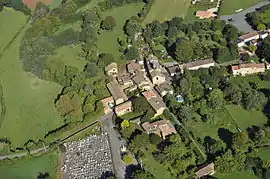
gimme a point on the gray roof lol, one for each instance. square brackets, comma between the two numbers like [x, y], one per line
[196, 63]
[156, 73]
[138, 79]
[116, 90]
[111, 66]
[156, 103]
[163, 87]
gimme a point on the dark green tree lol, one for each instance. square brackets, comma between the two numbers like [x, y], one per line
[108, 23]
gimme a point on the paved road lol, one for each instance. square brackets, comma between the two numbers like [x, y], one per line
[43, 149]
[239, 18]
[115, 145]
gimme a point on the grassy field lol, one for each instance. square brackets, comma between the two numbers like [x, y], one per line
[15, 21]
[29, 167]
[163, 10]
[107, 41]
[236, 175]
[230, 6]
[202, 129]
[246, 118]
[70, 56]
[154, 167]
[264, 153]
[30, 111]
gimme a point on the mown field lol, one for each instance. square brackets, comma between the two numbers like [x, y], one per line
[30, 111]
[244, 118]
[230, 6]
[29, 167]
[107, 40]
[163, 10]
[15, 21]
[223, 121]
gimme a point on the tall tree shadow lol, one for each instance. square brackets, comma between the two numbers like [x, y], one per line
[226, 136]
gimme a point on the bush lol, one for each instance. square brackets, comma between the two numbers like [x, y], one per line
[108, 23]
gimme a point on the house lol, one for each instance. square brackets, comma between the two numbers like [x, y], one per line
[205, 170]
[149, 94]
[141, 82]
[107, 103]
[162, 128]
[206, 14]
[195, 65]
[111, 69]
[117, 92]
[173, 70]
[123, 108]
[246, 69]
[164, 89]
[132, 67]
[125, 80]
[249, 36]
[155, 101]
[157, 77]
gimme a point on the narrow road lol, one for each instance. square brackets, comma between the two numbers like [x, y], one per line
[115, 144]
[43, 149]
[238, 19]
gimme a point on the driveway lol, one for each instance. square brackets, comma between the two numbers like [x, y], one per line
[115, 145]
[238, 19]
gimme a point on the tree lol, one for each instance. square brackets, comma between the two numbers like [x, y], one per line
[140, 105]
[253, 99]
[222, 55]
[127, 158]
[43, 175]
[261, 27]
[108, 23]
[105, 59]
[125, 124]
[215, 99]
[230, 32]
[155, 139]
[141, 174]
[245, 57]
[132, 27]
[132, 53]
[252, 48]
[228, 163]
[233, 93]
[139, 143]
[90, 70]
[183, 51]
[240, 141]
[265, 49]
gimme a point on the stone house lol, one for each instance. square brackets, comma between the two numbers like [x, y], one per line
[111, 69]
[247, 69]
[123, 108]
[205, 170]
[117, 92]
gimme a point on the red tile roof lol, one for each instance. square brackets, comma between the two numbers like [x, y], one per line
[149, 94]
[249, 65]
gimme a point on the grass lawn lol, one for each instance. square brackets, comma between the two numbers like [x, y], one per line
[202, 129]
[236, 175]
[29, 101]
[70, 56]
[107, 40]
[230, 6]
[163, 10]
[88, 6]
[246, 118]
[29, 167]
[11, 22]
[130, 116]
[154, 167]
[264, 153]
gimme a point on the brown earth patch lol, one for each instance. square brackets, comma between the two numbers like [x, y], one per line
[32, 3]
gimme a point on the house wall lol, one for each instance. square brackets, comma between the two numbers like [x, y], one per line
[252, 38]
[241, 44]
[119, 101]
[122, 112]
[202, 66]
[248, 71]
